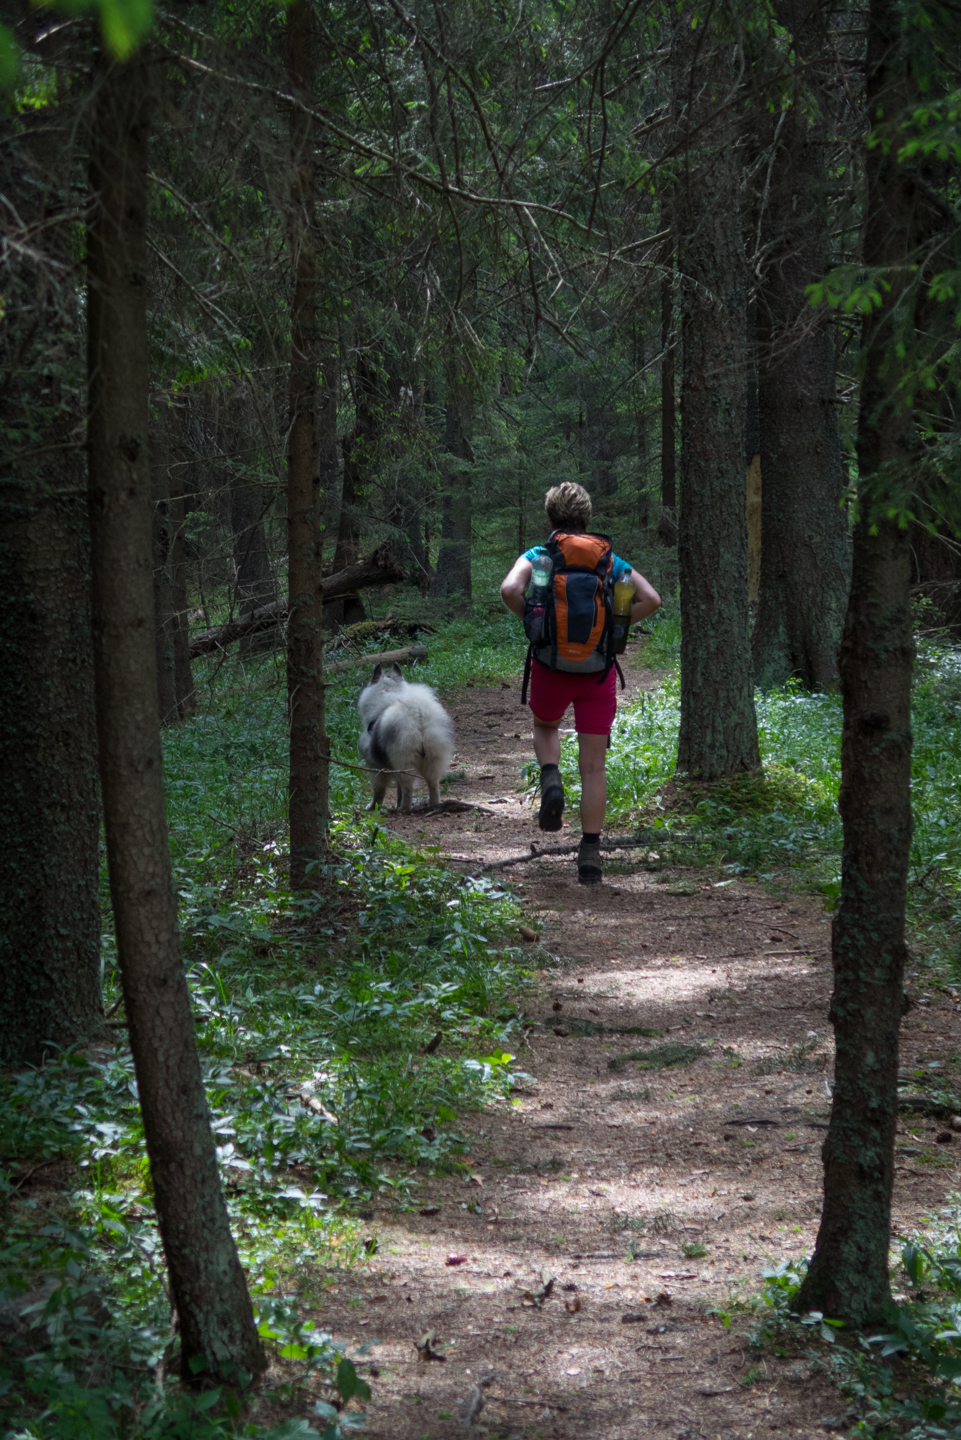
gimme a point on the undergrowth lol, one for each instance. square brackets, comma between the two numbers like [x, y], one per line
[781, 824]
[902, 1379]
[341, 1037]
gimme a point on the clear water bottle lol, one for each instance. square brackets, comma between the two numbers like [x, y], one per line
[623, 604]
[536, 596]
[540, 579]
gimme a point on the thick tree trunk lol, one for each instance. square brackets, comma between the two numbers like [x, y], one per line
[805, 552]
[49, 801]
[848, 1276]
[308, 791]
[210, 1293]
[49, 793]
[718, 729]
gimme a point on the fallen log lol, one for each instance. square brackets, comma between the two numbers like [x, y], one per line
[387, 657]
[380, 567]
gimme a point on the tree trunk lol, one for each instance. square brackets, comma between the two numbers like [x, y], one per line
[49, 801]
[216, 1320]
[358, 456]
[453, 574]
[848, 1276]
[177, 696]
[253, 579]
[667, 527]
[309, 767]
[186, 695]
[328, 447]
[163, 590]
[718, 729]
[49, 795]
[805, 552]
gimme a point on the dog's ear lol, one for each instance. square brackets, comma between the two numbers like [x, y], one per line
[376, 675]
[396, 670]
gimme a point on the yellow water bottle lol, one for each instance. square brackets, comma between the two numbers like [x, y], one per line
[623, 601]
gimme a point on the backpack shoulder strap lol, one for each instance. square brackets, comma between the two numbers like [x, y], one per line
[527, 674]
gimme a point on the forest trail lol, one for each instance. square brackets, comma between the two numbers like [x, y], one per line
[599, 1158]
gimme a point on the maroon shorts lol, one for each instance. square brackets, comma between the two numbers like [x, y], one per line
[594, 705]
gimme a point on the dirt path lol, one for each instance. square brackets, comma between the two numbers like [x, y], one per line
[705, 1172]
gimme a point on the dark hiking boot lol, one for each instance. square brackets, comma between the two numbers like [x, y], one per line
[590, 867]
[552, 798]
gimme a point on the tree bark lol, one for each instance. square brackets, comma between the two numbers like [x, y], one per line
[358, 457]
[805, 552]
[308, 788]
[718, 728]
[216, 1320]
[667, 526]
[164, 612]
[848, 1276]
[49, 793]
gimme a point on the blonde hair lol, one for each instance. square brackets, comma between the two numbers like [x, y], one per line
[568, 506]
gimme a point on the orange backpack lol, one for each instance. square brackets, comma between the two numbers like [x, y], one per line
[571, 627]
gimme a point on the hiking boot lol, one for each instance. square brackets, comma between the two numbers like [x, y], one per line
[590, 868]
[552, 798]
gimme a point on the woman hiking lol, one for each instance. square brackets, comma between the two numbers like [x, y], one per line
[569, 622]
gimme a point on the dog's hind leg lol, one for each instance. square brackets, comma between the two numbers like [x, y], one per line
[405, 792]
[380, 779]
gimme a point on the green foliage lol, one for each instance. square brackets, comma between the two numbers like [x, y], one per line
[785, 820]
[313, 1021]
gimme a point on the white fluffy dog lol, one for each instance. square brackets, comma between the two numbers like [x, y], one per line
[405, 731]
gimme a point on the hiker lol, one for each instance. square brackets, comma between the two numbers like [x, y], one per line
[568, 617]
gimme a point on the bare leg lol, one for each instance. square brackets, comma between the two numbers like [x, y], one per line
[592, 759]
[547, 742]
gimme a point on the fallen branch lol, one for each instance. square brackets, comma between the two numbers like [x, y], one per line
[381, 567]
[387, 657]
[637, 842]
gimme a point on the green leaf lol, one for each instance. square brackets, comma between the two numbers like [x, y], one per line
[125, 23]
[9, 59]
[349, 1382]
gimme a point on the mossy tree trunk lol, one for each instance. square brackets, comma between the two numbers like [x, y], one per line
[805, 552]
[718, 728]
[217, 1331]
[848, 1275]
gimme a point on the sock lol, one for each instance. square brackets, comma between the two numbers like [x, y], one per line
[546, 772]
[591, 836]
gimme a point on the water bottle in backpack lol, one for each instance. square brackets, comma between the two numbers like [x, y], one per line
[623, 604]
[535, 597]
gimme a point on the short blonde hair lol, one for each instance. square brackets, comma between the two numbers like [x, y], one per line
[568, 506]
